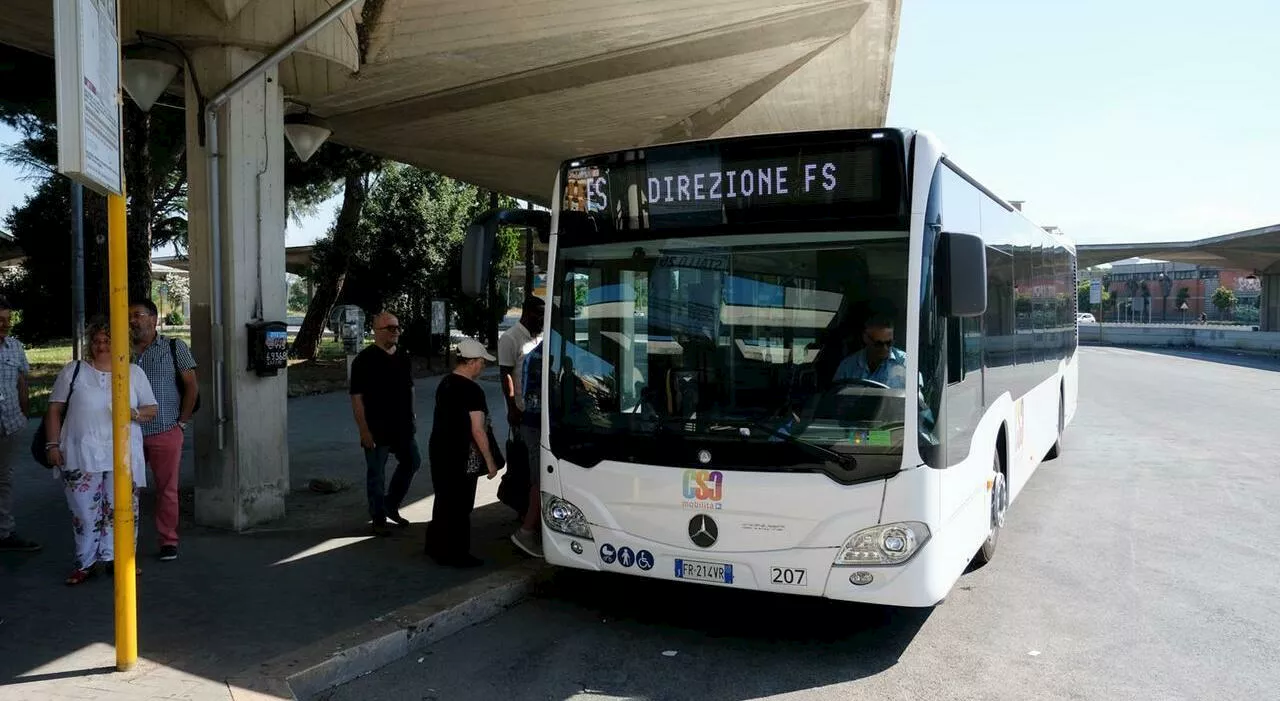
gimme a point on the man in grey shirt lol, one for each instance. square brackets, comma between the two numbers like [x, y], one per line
[13, 419]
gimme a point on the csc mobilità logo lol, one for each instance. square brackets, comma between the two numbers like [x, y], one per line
[703, 489]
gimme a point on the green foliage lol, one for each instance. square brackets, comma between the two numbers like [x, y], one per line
[1082, 297]
[1184, 295]
[42, 228]
[1224, 299]
[406, 250]
[320, 178]
[298, 295]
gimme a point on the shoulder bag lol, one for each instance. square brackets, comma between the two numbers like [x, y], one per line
[475, 460]
[38, 439]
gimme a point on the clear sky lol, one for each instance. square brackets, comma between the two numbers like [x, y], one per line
[1116, 120]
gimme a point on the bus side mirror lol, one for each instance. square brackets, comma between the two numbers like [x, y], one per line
[964, 278]
[482, 235]
[477, 256]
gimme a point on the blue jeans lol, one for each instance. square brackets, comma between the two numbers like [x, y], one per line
[385, 500]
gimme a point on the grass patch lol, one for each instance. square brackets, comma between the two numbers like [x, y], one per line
[327, 373]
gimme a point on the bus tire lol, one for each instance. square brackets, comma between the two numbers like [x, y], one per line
[999, 505]
[1056, 450]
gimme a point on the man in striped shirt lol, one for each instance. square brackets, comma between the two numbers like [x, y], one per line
[13, 419]
[171, 369]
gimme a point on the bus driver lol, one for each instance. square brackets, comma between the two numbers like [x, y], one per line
[878, 360]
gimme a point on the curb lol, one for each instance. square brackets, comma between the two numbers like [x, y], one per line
[336, 660]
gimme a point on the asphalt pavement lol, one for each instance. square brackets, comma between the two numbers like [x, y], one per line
[1142, 564]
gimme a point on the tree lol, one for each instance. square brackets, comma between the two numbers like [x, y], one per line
[409, 250]
[1224, 299]
[154, 159]
[178, 289]
[1184, 294]
[44, 294]
[1082, 297]
[155, 173]
[297, 295]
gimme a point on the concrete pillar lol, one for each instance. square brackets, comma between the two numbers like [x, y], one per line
[244, 481]
[1269, 303]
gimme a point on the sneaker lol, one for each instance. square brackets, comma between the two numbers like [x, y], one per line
[381, 530]
[527, 542]
[168, 553]
[14, 544]
[397, 519]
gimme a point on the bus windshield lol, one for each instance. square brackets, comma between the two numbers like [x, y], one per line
[770, 351]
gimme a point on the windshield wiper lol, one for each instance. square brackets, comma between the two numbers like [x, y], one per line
[847, 462]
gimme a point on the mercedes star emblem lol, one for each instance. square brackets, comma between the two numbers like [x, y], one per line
[703, 531]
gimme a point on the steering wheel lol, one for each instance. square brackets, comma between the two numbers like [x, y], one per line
[863, 382]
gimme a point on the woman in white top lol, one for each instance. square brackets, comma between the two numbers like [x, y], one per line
[80, 447]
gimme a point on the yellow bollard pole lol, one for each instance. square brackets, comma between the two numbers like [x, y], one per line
[125, 575]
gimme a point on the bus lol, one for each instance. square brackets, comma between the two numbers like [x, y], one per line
[819, 363]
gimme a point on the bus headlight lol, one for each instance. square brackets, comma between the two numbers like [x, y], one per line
[563, 517]
[886, 544]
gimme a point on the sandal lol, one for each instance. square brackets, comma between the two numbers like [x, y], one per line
[79, 576]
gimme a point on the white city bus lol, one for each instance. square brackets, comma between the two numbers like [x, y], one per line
[704, 295]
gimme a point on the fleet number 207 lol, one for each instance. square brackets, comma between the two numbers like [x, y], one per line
[788, 575]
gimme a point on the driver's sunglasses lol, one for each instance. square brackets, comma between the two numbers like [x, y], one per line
[392, 328]
[883, 344]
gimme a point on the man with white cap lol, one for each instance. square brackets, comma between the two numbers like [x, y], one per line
[461, 420]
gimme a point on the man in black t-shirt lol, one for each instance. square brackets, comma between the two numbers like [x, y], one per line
[382, 400]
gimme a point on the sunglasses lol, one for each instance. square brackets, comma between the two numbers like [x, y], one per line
[392, 328]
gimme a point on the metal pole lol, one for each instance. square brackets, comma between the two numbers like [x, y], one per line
[77, 271]
[126, 593]
[125, 580]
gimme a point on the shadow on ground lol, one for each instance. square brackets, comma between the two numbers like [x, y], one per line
[612, 636]
[231, 601]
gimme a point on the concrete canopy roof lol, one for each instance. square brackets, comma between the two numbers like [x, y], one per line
[499, 93]
[1255, 249]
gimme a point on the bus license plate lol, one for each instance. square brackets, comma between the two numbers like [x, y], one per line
[704, 571]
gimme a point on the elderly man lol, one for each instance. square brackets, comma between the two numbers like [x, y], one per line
[13, 419]
[382, 400]
[171, 370]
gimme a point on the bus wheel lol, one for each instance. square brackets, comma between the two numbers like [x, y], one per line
[999, 505]
[1056, 450]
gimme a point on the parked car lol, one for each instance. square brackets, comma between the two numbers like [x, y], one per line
[1085, 318]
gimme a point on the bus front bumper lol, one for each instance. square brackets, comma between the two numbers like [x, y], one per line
[802, 571]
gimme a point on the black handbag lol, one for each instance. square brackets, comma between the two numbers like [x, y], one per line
[514, 488]
[38, 451]
[475, 461]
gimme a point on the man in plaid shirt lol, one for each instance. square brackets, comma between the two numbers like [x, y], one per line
[13, 419]
[171, 369]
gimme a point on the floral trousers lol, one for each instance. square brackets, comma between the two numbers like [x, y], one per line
[91, 496]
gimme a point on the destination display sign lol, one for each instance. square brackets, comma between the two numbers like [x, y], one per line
[754, 182]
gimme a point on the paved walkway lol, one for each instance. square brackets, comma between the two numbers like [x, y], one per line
[232, 601]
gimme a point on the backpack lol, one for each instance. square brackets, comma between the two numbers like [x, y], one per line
[182, 386]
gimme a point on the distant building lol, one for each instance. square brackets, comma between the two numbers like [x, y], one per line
[1162, 299]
